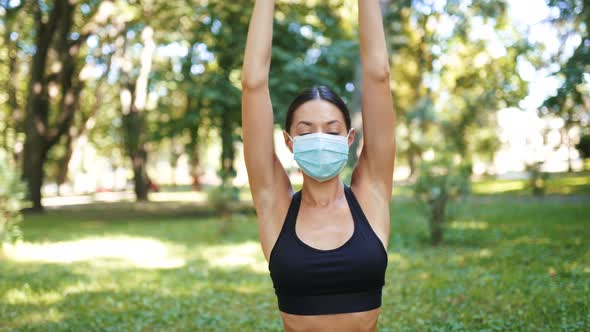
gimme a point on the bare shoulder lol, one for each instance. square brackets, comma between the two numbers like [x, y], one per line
[374, 199]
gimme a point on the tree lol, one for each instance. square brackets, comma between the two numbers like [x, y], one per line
[449, 83]
[451, 74]
[441, 181]
[134, 91]
[87, 113]
[571, 101]
[53, 67]
[413, 42]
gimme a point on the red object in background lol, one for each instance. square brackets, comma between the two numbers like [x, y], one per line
[153, 186]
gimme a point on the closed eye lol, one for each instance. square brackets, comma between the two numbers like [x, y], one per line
[334, 133]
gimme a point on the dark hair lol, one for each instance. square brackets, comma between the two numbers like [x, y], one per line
[317, 92]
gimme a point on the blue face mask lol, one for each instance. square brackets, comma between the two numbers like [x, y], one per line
[321, 156]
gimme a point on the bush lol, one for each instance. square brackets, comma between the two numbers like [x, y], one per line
[221, 198]
[537, 178]
[12, 193]
[440, 182]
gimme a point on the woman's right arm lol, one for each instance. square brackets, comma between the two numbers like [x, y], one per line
[267, 177]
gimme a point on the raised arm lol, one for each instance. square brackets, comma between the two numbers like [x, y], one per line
[266, 175]
[376, 162]
[256, 66]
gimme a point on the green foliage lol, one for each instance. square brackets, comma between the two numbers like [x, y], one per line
[440, 182]
[222, 199]
[12, 192]
[584, 146]
[221, 196]
[537, 178]
[326, 55]
[449, 85]
[442, 177]
[571, 99]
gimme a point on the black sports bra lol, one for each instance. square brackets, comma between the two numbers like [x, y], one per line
[311, 281]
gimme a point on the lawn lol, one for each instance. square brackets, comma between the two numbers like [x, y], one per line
[556, 184]
[509, 263]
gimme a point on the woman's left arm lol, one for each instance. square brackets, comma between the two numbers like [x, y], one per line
[376, 161]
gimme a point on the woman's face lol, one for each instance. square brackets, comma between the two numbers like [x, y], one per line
[317, 116]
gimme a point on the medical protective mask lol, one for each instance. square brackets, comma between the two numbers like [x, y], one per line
[321, 156]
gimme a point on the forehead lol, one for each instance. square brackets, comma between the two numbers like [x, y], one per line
[317, 111]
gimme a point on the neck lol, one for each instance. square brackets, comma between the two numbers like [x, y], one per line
[321, 194]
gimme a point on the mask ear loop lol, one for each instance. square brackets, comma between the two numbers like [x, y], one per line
[349, 131]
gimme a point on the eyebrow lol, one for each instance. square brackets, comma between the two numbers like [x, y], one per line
[307, 123]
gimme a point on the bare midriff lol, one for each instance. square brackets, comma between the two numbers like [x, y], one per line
[365, 321]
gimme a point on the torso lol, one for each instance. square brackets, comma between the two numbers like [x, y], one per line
[313, 229]
[365, 321]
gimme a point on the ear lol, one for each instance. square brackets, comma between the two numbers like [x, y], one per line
[351, 136]
[288, 142]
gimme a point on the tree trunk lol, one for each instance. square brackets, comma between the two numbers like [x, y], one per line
[436, 233]
[37, 109]
[35, 155]
[193, 148]
[413, 155]
[133, 102]
[133, 125]
[193, 123]
[437, 219]
[228, 149]
[228, 153]
[62, 174]
[176, 153]
[40, 135]
[196, 168]
[140, 179]
[567, 145]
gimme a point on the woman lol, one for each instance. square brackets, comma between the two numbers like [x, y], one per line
[327, 243]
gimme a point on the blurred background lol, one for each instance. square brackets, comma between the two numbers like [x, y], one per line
[123, 184]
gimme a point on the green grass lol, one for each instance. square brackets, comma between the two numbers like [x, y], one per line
[557, 184]
[509, 263]
[576, 183]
